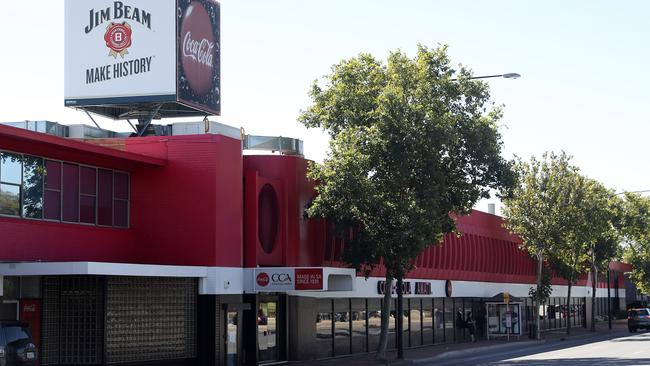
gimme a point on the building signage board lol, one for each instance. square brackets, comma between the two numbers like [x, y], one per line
[288, 279]
[132, 52]
[309, 279]
[408, 288]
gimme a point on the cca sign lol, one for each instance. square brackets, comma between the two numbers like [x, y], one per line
[280, 277]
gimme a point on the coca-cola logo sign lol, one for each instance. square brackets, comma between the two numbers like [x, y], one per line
[262, 279]
[197, 48]
[198, 53]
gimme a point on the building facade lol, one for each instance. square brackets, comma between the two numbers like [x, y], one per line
[182, 249]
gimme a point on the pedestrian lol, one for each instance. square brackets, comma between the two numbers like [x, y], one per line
[470, 324]
[439, 318]
[460, 319]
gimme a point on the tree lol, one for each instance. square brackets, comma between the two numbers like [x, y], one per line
[408, 146]
[568, 256]
[590, 240]
[635, 228]
[539, 210]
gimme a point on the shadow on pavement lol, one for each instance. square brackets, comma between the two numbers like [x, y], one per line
[578, 361]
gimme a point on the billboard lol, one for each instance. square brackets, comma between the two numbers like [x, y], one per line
[135, 54]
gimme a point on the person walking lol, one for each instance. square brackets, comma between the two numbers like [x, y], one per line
[460, 325]
[470, 324]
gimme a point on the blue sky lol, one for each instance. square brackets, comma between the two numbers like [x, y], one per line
[583, 64]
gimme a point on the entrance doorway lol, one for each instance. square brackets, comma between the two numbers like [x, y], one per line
[232, 338]
[267, 330]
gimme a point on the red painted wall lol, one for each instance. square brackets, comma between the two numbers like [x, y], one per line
[190, 211]
[36, 240]
[187, 211]
[303, 240]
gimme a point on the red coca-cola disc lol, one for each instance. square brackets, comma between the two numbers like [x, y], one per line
[263, 279]
[198, 48]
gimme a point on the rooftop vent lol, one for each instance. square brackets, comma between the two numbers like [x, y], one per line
[283, 145]
[50, 128]
[78, 131]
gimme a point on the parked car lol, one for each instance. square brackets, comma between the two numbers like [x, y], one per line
[638, 318]
[16, 344]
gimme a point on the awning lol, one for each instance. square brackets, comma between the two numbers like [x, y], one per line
[500, 297]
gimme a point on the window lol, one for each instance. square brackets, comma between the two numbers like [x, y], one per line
[10, 181]
[52, 206]
[427, 321]
[358, 325]
[416, 322]
[341, 327]
[87, 194]
[104, 197]
[438, 320]
[120, 199]
[374, 323]
[70, 192]
[35, 188]
[32, 187]
[323, 344]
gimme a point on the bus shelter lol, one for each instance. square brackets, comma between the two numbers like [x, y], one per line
[503, 316]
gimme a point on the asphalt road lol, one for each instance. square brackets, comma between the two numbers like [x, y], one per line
[617, 349]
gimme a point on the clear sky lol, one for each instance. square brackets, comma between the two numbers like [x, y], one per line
[584, 84]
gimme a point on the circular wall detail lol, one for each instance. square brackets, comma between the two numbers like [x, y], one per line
[267, 218]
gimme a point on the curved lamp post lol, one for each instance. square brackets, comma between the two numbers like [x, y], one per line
[509, 75]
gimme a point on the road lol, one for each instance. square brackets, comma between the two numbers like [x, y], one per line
[618, 349]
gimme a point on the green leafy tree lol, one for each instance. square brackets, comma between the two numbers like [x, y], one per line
[602, 233]
[540, 210]
[408, 146]
[636, 238]
[590, 240]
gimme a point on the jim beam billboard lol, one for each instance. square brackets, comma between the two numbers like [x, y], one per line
[132, 52]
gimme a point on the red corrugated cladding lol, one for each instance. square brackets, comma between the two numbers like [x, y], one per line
[195, 201]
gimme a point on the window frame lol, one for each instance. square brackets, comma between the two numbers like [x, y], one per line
[79, 194]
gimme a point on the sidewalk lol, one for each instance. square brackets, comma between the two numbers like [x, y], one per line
[442, 351]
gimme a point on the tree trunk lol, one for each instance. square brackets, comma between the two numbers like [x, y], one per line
[540, 263]
[593, 298]
[385, 318]
[568, 309]
[399, 315]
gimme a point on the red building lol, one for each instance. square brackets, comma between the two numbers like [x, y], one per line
[180, 247]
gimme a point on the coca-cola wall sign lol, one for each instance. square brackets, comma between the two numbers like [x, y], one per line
[124, 53]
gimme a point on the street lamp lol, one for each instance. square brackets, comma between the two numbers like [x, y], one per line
[623, 192]
[509, 75]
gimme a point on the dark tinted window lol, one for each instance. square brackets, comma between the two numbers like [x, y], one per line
[642, 312]
[13, 334]
[70, 192]
[105, 197]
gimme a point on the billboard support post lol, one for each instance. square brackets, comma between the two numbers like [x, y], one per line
[92, 119]
[145, 122]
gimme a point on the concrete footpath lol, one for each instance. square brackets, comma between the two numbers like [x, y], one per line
[431, 353]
